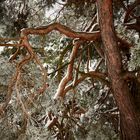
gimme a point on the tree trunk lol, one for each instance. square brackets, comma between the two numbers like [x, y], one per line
[130, 126]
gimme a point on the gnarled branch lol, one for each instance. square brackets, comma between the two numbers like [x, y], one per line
[92, 36]
[93, 74]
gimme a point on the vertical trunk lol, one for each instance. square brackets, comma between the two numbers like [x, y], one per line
[129, 121]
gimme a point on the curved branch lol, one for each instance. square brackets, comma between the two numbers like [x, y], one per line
[13, 80]
[69, 74]
[93, 74]
[92, 36]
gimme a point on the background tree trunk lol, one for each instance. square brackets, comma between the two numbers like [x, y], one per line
[130, 126]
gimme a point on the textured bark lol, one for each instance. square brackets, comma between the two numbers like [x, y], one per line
[92, 36]
[69, 73]
[130, 126]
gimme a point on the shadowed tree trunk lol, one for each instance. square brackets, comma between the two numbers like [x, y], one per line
[130, 126]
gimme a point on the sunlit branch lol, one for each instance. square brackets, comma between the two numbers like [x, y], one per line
[69, 72]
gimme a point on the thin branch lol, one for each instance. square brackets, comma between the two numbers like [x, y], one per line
[77, 73]
[129, 11]
[92, 23]
[10, 45]
[9, 39]
[99, 50]
[58, 69]
[19, 98]
[14, 79]
[25, 112]
[44, 74]
[98, 64]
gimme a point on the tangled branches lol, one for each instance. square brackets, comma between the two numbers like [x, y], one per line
[15, 82]
[24, 42]
[72, 78]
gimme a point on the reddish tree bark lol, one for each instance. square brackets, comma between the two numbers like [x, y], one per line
[130, 124]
